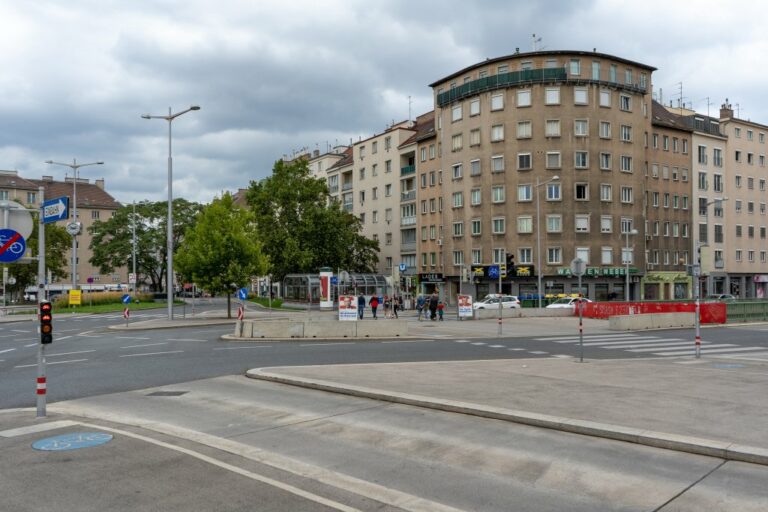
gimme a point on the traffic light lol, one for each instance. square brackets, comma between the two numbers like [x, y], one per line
[510, 264]
[46, 322]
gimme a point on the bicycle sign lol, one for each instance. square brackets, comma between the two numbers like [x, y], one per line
[72, 441]
[12, 246]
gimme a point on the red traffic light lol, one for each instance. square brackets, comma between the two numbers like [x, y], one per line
[46, 322]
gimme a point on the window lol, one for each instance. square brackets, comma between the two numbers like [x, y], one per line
[456, 113]
[497, 132]
[458, 229]
[525, 255]
[595, 70]
[524, 130]
[737, 132]
[31, 197]
[523, 161]
[717, 157]
[554, 255]
[458, 258]
[580, 96]
[627, 76]
[665, 142]
[476, 226]
[388, 165]
[498, 194]
[606, 256]
[474, 137]
[474, 168]
[424, 154]
[503, 68]
[456, 142]
[95, 214]
[525, 192]
[497, 102]
[388, 214]
[612, 71]
[581, 191]
[606, 192]
[737, 156]
[554, 223]
[525, 224]
[625, 102]
[552, 128]
[575, 67]
[554, 192]
[626, 163]
[424, 209]
[524, 98]
[424, 233]
[605, 161]
[581, 128]
[626, 133]
[553, 160]
[475, 197]
[626, 194]
[498, 225]
[457, 171]
[375, 193]
[388, 189]
[497, 163]
[581, 223]
[605, 130]
[474, 107]
[605, 98]
[606, 224]
[626, 225]
[458, 199]
[423, 178]
[717, 182]
[362, 173]
[552, 96]
[581, 159]
[362, 196]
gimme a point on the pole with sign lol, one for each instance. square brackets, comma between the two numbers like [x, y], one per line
[578, 268]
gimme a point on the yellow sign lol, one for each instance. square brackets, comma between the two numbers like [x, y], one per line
[75, 297]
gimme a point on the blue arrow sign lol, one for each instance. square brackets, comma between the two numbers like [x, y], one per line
[126, 299]
[493, 271]
[55, 209]
[242, 293]
[334, 280]
[12, 246]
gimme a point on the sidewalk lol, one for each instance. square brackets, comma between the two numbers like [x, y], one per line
[715, 407]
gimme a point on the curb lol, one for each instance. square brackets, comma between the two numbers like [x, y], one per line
[699, 446]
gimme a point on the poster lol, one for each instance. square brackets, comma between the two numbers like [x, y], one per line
[347, 308]
[465, 306]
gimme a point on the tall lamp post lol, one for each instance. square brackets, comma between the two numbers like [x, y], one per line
[73, 228]
[628, 258]
[169, 249]
[696, 283]
[538, 231]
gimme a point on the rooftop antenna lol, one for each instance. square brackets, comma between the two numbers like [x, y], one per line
[535, 41]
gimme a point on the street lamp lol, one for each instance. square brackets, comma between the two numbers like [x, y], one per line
[73, 228]
[696, 271]
[538, 230]
[169, 249]
[628, 257]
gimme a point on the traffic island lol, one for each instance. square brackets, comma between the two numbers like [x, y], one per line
[316, 328]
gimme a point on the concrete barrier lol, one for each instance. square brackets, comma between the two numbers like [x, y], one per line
[382, 329]
[650, 321]
[317, 327]
[484, 314]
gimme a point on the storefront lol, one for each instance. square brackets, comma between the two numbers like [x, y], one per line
[666, 286]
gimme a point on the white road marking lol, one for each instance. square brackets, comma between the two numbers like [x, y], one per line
[681, 345]
[131, 338]
[33, 429]
[185, 339]
[32, 345]
[609, 340]
[516, 349]
[63, 338]
[595, 336]
[52, 362]
[706, 351]
[478, 343]
[70, 353]
[563, 356]
[241, 348]
[325, 344]
[147, 345]
[639, 341]
[153, 353]
[497, 346]
[462, 341]
[537, 352]
[649, 344]
[19, 330]
[7, 350]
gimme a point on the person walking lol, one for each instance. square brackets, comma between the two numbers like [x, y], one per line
[433, 300]
[374, 303]
[420, 303]
[360, 306]
[440, 308]
[387, 306]
[395, 306]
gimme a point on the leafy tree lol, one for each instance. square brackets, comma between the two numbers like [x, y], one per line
[112, 240]
[301, 229]
[222, 248]
[57, 242]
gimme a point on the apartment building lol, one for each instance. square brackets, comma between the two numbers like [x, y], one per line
[554, 141]
[745, 263]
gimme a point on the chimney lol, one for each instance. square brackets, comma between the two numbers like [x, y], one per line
[726, 111]
[99, 183]
[47, 178]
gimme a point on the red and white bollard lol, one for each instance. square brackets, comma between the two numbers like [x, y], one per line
[41, 385]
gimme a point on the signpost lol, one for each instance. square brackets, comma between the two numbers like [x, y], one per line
[578, 267]
[75, 297]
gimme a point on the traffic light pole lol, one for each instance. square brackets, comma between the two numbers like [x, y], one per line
[41, 378]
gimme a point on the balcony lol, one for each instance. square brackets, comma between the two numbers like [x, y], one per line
[408, 221]
[348, 206]
[408, 169]
[408, 196]
[346, 186]
[407, 247]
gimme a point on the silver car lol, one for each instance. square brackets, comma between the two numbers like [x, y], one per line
[507, 302]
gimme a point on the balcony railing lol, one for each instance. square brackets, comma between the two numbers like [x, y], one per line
[346, 186]
[408, 196]
[408, 169]
[407, 221]
[348, 207]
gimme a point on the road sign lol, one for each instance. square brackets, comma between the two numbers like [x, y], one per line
[75, 297]
[334, 280]
[242, 293]
[403, 267]
[578, 267]
[12, 246]
[493, 271]
[126, 299]
[55, 210]
[19, 218]
[132, 279]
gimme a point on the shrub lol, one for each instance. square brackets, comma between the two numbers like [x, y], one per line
[97, 298]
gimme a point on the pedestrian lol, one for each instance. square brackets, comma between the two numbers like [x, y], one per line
[440, 308]
[395, 305]
[420, 303]
[374, 303]
[433, 300]
[360, 306]
[387, 306]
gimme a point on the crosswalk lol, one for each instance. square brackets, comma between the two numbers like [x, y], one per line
[643, 344]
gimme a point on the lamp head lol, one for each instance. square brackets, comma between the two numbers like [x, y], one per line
[194, 107]
[146, 116]
[49, 161]
[555, 178]
[99, 163]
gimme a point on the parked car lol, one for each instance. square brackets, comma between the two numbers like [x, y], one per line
[566, 302]
[721, 296]
[492, 302]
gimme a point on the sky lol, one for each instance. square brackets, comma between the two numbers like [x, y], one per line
[272, 78]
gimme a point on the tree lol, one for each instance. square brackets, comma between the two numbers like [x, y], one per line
[112, 240]
[301, 229]
[57, 242]
[222, 248]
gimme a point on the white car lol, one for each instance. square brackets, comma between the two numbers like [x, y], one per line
[492, 302]
[566, 302]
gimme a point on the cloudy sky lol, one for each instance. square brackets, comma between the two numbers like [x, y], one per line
[274, 77]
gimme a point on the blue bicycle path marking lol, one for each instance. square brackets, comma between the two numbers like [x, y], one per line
[72, 441]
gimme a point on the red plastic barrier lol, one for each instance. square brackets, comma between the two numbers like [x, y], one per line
[711, 312]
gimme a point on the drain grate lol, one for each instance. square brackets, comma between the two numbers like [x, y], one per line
[168, 393]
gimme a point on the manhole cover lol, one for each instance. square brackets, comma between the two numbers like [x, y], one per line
[727, 365]
[72, 441]
[168, 393]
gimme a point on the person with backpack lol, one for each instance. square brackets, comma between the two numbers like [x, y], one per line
[360, 306]
[420, 303]
[374, 303]
[433, 301]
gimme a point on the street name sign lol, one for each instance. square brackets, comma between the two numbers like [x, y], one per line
[55, 210]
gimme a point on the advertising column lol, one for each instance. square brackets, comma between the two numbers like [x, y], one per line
[326, 299]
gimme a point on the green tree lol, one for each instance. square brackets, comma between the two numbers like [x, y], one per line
[112, 240]
[222, 248]
[301, 229]
[57, 242]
